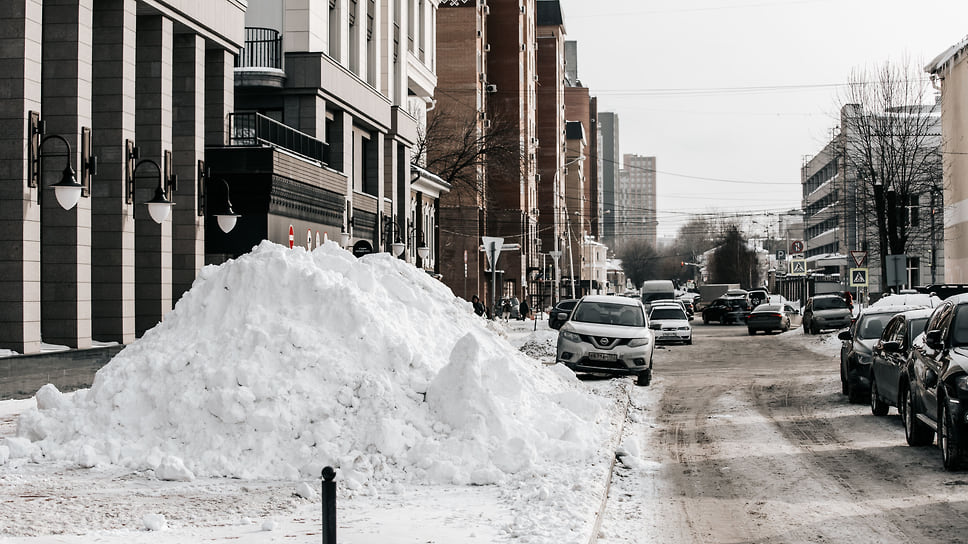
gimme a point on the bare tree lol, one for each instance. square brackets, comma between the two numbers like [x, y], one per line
[891, 146]
[456, 147]
[639, 261]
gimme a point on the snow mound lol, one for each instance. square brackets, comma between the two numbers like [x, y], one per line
[282, 361]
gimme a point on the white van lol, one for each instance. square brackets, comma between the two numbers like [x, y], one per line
[657, 290]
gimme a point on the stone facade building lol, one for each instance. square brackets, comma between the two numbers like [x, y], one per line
[142, 86]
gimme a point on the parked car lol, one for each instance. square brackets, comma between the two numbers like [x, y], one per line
[857, 350]
[757, 297]
[889, 355]
[669, 323]
[934, 391]
[607, 336]
[561, 312]
[674, 301]
[828, 311]
[688, 305]
[726, 310]
[771, 317]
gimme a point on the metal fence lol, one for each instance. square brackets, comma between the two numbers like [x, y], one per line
[263, 49]
[251, 129]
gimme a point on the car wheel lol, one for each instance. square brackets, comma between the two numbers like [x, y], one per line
[705, 320]
[689, 342]
[854, 394]
[644, 378]
[843, 379]
[878, 406]
[916, 432]
[751, 331]
[952, 456]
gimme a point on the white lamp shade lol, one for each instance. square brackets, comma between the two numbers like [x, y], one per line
[423, 252]
[226, 222]
[159, 211]
[67, 196]
[397, 248]
[344, 239]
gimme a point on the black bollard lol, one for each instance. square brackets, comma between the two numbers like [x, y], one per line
[329, 506]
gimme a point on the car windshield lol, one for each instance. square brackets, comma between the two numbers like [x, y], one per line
[667, 313]
[830, 303]
[915, 327]
[870, 326]
[609, 314]
[959, 332]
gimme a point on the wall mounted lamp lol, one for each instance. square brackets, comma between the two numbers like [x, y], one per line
[225, 215]
[160, 205]
[67, 191]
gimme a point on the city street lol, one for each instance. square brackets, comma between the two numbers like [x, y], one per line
[748, 439]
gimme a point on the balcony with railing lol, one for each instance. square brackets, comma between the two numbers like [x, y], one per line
[259, 62]
[255, 129]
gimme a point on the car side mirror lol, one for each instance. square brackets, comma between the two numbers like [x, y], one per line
[891, 347]
[930, 378]
[845, 335]
[932, 339]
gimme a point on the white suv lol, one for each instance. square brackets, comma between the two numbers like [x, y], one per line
[608, 335]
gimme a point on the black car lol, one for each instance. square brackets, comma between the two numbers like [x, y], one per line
[934, 391]
[726, 310]
[890, 353]
[555, 320]
[856, 350]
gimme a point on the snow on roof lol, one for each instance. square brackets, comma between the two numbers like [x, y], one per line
[283, 361]
[938, 64]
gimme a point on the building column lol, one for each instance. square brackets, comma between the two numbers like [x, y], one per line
[188, 147]
[219, 95]
[112, 251]
[153, 128]
[65, 253]
[19, 212]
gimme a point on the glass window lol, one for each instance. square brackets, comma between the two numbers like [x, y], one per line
[959, 331]
[871, 326]
[915, 327]
[667, 313]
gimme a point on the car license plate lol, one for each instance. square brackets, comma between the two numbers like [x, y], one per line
[598, 356]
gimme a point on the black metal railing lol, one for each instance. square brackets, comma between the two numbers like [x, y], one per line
[263, 49]
[252, 128]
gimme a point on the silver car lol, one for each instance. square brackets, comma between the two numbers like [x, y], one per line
[826, 312]
[608, 335]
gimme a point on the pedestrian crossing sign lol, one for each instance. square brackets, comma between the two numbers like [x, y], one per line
[798, 267]
[858, 277]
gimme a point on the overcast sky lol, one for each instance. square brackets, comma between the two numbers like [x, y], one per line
[731, 95]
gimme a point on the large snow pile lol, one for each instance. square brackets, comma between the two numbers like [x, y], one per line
[283, 361]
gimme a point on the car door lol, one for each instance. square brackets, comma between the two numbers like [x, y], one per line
[927, 363]
[887, 364]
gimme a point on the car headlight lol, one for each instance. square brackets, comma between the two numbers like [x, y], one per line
[638, 342]
[683, 328]
[570, 336]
